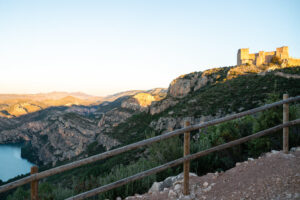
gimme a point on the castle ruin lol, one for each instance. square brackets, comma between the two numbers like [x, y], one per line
[260, 58]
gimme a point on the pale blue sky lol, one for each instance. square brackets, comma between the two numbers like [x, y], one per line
[103, 47]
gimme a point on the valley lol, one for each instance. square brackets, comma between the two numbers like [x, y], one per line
[60, 134]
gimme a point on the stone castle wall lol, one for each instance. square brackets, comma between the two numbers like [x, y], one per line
[260, 58]
[294, 62]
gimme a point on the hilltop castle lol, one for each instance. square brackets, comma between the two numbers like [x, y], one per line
[260, 58]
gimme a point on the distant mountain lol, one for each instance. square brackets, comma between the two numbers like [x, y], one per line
[67, 128]
[50, 95]
[121, 94]
[14, 105]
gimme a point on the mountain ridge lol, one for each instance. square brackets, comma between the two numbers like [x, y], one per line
[197, 97]
[14, 105]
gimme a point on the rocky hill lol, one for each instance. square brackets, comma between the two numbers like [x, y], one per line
[60, 133]
[71, 132]
[203, 96]
[14, 105]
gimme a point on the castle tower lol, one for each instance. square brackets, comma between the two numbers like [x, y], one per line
[282, 52]
[260, 59]
[242, 56]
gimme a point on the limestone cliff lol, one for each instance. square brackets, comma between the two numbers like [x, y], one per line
[55, 133]
[60, 133]
[185, 84]
[182, 93]
[142, 101]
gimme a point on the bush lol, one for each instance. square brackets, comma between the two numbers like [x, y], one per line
[19, 194]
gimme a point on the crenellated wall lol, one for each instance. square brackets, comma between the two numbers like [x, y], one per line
[294, 62]
[260, 58]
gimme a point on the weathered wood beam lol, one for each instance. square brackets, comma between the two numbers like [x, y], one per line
[186, 164]
[285, 131]
[34, 185]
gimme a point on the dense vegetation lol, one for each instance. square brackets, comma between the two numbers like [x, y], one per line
[234, 95]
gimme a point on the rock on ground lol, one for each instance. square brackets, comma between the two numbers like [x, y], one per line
[273, 176]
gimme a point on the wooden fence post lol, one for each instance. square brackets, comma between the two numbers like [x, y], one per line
[286, 129]
[186, 164]
[34, 184]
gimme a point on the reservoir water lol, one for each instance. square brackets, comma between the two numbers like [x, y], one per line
[11, 163]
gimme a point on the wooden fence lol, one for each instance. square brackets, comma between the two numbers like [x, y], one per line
[187, 157]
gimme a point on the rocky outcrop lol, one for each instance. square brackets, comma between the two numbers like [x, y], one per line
[185, 84]
[107, 141]
[160, 106]
[143, 100]
[171, 123]
[139, 102]
[112, 119]
[182, 85]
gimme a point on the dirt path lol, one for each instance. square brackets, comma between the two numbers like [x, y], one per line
[272, 176]
[295, 76]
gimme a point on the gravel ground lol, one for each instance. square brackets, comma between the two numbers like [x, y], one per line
[275, 175]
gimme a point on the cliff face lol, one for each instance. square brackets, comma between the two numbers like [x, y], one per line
[61, 133]
[142, 101]
[193, 82]
[56, 133]
[186, 84]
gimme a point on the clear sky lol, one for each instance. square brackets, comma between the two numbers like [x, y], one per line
[102, 47]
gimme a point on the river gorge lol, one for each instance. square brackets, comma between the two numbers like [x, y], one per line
[11, 162]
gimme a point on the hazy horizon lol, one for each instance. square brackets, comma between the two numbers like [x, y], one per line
[74, 92]
[105, 47]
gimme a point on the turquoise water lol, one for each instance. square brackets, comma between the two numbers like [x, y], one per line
[11, 163]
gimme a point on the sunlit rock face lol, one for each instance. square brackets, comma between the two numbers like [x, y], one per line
[183, 85]
[14, 105]
[144, 99]
[140, 102]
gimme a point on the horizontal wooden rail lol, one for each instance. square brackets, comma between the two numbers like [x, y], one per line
[136, 145]
[163, 167]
